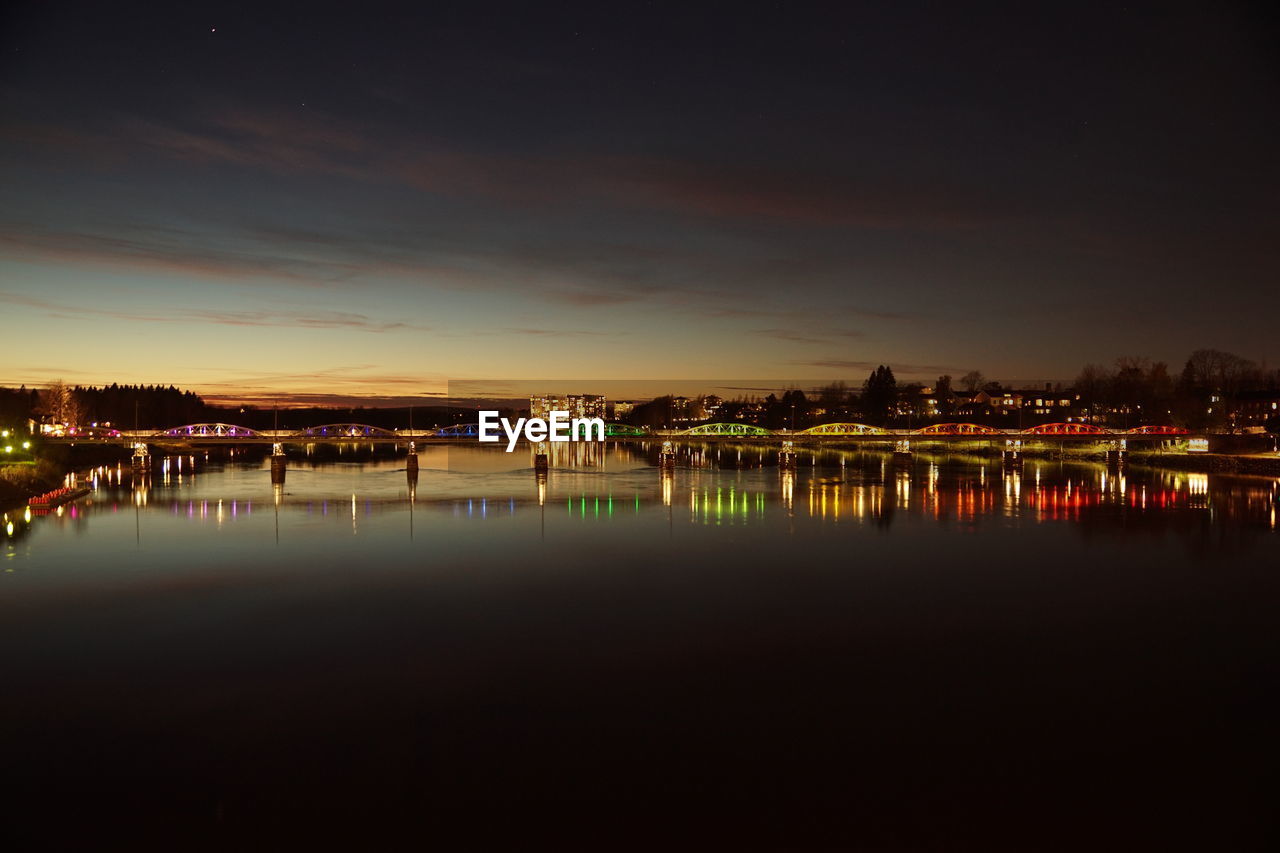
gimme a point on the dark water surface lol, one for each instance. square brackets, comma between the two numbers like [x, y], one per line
[864, 654]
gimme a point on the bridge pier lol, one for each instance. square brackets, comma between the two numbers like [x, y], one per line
[787, 456]
[667, 456]
[1011, 456]
[141, 458]
[1116, 452]
[540, 477]
[278, 464]
[902, 449]
[411, 462]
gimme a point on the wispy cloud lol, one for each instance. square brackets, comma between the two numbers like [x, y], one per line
[788, 335]
[348, 384]
[317, 143]
[553, 332]
[807, 336]
[881, 315]
[170, 250]
[545, 227]
[332, 400]
[592, 298]
[311, 320]
[897, 367]
[294, 319]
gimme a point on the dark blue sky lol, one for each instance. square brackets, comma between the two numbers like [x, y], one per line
[369, 200]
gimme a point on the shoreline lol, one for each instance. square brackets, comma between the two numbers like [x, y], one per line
[19, 483]
[1213, 463]
[19, 493]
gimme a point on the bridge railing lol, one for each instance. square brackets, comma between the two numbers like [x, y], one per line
[347, 432]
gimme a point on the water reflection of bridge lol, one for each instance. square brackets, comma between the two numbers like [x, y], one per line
[878, 493]
[875, 494]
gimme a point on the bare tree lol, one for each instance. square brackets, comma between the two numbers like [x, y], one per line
[833, 396]
[944, 394]
[60, 403]
[1219, 371]
[973, 380]
[1094, 387]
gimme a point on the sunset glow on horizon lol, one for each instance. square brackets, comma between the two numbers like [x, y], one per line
[493, 205]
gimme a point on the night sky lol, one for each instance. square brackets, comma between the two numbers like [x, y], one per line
[364, 200]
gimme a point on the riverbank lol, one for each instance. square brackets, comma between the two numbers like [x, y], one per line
[1246, 460]
[1265, 464]
[20, 482]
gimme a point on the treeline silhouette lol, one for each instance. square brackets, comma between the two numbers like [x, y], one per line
[161, 406]
[151, 404]
[116, 404]
[1209, 391]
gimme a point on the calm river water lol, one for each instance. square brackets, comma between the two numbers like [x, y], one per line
[866, 653]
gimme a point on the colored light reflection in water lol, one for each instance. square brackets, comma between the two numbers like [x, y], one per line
[357, 610]
[719, 486]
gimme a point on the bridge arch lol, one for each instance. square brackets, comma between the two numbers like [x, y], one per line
[726, 429]
[843, 429]
[346, 431]
[958, 429]
[1157, 430]
[1065, 429]
[624, 430]
[459, 431]
[93, 432]
[207, 431]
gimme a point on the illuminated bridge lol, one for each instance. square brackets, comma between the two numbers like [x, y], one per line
[233, 434]
[844, 432]
[1011, 443]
